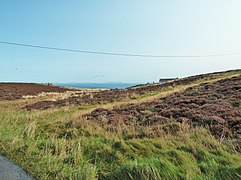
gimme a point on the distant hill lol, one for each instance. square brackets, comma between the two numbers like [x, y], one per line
[11, 91]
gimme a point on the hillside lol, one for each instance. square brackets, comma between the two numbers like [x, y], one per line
[117, 95]
[214, 105]
[11, 91]
[186, 128]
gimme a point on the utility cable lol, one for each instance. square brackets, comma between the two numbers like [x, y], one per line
[118, 54]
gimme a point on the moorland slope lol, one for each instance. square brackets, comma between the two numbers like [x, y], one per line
[182, 129]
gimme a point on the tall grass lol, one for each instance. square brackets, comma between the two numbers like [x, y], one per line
[52, 145]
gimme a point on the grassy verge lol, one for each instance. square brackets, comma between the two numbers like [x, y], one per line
[83, 150]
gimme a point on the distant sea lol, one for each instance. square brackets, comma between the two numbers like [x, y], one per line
[98, 85]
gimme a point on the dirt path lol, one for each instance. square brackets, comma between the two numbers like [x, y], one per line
[11, 171]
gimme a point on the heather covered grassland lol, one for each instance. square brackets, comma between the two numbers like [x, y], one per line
[183, 129]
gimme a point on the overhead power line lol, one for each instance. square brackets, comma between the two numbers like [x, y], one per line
[117, 54]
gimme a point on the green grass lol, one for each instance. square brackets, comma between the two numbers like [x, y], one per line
[57, 144]
[49, 145]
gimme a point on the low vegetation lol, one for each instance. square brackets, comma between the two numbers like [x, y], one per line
[62, 143]
[120, 95]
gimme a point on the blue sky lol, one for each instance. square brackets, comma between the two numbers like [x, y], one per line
[175, 27]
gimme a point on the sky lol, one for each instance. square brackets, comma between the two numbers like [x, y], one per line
[156, 27]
